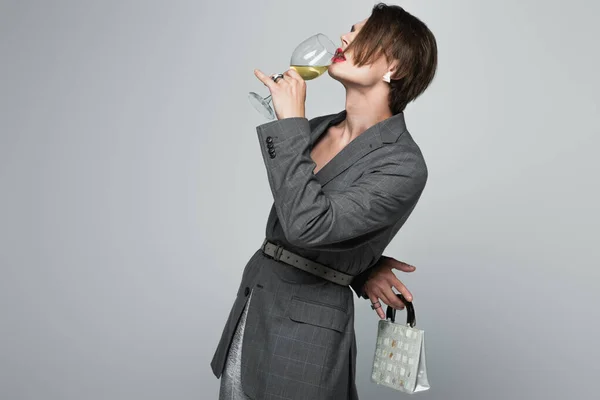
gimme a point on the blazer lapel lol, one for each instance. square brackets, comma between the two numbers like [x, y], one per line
[386, 131]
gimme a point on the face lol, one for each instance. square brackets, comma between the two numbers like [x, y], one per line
[349, 74]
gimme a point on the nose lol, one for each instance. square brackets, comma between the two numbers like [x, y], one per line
[344, 41]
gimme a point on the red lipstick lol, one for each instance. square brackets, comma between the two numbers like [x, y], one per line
[339, 55]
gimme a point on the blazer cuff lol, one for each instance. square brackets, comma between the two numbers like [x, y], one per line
[283, 129]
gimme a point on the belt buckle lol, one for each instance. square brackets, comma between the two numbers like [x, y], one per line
[278, 252]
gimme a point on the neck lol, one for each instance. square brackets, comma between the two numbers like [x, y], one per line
[364, 108]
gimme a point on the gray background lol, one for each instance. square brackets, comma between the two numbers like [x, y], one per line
[127, 147]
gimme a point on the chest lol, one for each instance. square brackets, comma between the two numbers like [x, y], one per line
[324, 150]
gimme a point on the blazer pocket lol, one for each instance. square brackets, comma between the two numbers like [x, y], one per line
[317, 313]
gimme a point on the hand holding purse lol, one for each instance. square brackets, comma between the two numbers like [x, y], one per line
[399, 361]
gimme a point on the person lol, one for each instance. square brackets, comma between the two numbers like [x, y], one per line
[343, 185]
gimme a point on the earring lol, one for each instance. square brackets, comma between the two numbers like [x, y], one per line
[387, 76]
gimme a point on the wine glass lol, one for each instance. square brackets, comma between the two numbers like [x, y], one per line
[310, 59]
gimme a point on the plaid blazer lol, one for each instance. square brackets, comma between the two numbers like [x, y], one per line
[299, 341]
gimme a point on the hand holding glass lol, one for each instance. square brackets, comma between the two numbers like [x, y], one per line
[310, 59]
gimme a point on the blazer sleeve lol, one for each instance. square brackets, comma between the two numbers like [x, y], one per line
[337, 220]
[359, 280]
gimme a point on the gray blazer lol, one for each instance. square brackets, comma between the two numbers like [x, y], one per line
[299, 341]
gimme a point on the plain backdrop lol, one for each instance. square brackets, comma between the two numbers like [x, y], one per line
[133, 192]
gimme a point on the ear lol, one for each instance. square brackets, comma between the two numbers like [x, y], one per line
[394, 71]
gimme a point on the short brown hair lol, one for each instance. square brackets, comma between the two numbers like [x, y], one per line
[399, 36]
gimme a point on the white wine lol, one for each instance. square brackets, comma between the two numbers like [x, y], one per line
[308, 72]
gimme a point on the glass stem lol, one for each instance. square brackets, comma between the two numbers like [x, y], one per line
[268, 99]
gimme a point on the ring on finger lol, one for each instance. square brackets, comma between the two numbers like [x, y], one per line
[276, 76]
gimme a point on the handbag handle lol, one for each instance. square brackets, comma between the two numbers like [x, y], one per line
[390, 312]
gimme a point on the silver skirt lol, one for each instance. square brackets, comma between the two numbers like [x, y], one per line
[231, 387]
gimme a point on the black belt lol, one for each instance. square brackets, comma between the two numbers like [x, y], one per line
[279, 253]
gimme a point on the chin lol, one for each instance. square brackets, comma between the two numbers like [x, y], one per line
[344, 78]
[332, 74]
[335, 73]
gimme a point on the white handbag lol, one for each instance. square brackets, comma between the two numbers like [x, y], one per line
[399, 361]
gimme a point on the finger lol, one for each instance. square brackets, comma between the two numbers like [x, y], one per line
[395, 282]
[387, 295]
[379, 309]
[267, 80]
[400, 265]
[404, 267]
[390, 298]
[292, 73]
